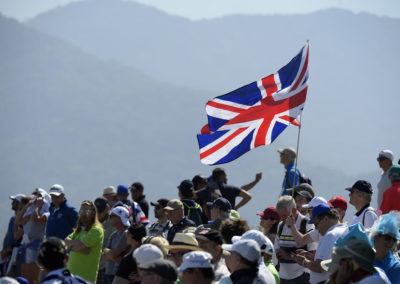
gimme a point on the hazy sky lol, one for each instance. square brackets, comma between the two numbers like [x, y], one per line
[197, 9]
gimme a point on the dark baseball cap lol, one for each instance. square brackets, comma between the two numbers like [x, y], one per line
[221, 203]
[208, 234]
[101, 204]
[186, 187]
[363, 186]
[162, 202]
[162, 267]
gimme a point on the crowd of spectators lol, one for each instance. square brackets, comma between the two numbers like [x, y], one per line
[200, 237]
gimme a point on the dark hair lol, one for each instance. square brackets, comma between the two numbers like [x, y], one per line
[208, 273]
[331, 214]
[274, 228]
[197, 179]
[52, 253]
[217, 173]
[137, 231]
[233, 227]
[137, 186]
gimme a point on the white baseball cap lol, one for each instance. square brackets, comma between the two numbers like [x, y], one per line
[147, 253]
[263, 242]
[387, 154]
[56, 189]
[17, 197]
[248, 249]
[315, 201]
[122, 213]
[196, 259]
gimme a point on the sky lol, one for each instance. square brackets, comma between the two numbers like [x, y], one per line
[201, 9]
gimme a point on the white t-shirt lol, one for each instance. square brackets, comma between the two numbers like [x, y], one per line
[379, 277]
[315, 235]
[324, 250]
[289, 271]
[369, 219]
[383, 184]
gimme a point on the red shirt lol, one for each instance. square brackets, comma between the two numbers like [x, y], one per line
[391, 198]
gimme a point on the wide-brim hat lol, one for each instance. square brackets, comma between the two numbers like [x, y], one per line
[184, 241]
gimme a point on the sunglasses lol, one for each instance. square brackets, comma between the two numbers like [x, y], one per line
[387, 238]
[380, 159]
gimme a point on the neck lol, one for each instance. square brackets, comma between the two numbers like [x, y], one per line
[162, 220]
[361, 205]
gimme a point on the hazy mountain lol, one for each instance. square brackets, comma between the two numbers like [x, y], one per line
[78, 109]
[353, 64]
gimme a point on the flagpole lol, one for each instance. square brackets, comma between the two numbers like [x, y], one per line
[297, 156]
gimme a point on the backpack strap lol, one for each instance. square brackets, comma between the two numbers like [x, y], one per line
[365, 212]
[303, 226]
[280, 229]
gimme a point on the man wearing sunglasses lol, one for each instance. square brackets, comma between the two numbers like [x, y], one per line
[385, 161]
[360, 197]
[385, 236]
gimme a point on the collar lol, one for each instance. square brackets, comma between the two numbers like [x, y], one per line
[334, 226]
[56, 272]
[235, 276]
[385, 261]
[289, 167]
[362, 209]
[141, 198]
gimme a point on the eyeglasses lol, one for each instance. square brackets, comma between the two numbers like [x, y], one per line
[387, 238]
[86, 211]
[317, 221]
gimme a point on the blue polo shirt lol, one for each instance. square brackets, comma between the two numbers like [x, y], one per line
[290, 174]
[391, 266]
[61, 221]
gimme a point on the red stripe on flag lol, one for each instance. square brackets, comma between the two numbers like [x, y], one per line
[222, 143]
[303, 71]
[292, 120]
[205, 129]
[225, 107]
[269, 84]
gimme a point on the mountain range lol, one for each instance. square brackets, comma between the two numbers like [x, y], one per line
[99, 93]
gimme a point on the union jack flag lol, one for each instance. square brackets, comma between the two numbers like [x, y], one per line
[255, 114]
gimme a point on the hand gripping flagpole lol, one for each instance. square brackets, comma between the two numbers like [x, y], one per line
[297, 155]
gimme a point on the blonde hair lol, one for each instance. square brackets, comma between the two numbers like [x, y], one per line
[159, 242]
[94, 221]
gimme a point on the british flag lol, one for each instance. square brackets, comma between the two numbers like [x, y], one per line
[255, 114]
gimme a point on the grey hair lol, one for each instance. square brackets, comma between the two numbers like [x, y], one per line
[224, 214]
[367, 196]
[285, 202]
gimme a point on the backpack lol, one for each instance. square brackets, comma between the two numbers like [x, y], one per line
[302, 179]
[194, 213]
[67, 278]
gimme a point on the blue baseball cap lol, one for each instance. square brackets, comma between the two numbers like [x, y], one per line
[318, 210]
[123, 189]
[221, 203]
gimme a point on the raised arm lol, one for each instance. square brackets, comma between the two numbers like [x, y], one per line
[250, 185]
